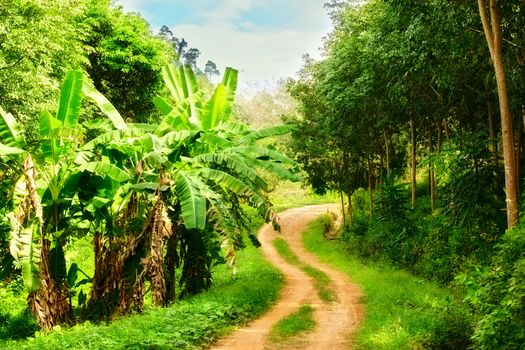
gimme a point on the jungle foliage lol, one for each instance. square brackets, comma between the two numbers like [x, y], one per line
[406, 101]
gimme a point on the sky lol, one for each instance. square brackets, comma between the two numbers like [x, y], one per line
[264, 39]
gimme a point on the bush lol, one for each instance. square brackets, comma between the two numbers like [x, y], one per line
[497, 293]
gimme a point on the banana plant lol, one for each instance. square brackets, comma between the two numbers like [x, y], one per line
[222, 165]
[44, 197]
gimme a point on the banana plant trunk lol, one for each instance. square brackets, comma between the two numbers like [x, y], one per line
[50, 303]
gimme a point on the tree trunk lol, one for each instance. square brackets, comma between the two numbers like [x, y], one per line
[431, 175]
[350, 209]
[343, 207]
[413, 160]
[371, 204]
[387, 152]
[491, 27]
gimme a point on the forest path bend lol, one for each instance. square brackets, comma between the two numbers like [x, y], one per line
[335, 321]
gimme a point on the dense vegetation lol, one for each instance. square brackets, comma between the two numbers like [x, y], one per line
[157, 183]
[126, 177]
[407, 99]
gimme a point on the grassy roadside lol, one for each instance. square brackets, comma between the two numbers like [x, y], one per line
[402, 311]
[185, 325]
[289, 195]
[293, 325]
[322, 283]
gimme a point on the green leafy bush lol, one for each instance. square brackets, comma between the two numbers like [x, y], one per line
[497, 293]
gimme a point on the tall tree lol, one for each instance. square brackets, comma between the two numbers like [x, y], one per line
[493, 34]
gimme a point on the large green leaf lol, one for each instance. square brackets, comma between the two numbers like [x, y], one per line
[214, 110]
[192, 202]
[57, 262]
[230, 82]
[8, 151]
[234, 163]
[10, 133]
[262, 153]
[268, 132]
[25, 249]
[107, 169]
[48, 123]
[182, 84]
[226, 180]
[70, 98]
[105, 106]
[122, 134]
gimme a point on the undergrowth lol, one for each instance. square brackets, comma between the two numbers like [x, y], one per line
[189, 323]
[402, 311]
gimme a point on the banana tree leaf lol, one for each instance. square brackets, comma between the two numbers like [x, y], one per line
[25, 249]
[105, 106]
[215, 140]
[261, 152]
[234, 163]
[192, 202]
[57, 262]
[72, 275]
[123, 134]
[162, 105]
[268, 132]
[10, 133]
[215, 108]
[48, 123]
[278, 170]
[230, 82]
[96, 203]
[8, 151]
[151, 186]
[107, 169]
[70, 98]
[226, 180]
[173, 82]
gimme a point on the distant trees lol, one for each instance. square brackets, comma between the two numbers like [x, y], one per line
[187, 55]
[417, 73]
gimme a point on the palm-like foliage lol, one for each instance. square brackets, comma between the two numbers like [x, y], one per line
[156, 196]
[43, 199]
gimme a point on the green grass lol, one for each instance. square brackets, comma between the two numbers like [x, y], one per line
[402, 311]
[185, 325]
[322, 283]
[289, 195]
[293, 325]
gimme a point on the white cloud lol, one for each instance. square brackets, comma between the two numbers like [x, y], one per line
[262, 54]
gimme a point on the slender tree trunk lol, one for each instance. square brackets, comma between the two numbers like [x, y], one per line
[381, 181]
[519, 155]
[492, 29]
[413, 160]
[370, 194]
[343, 207]
[387, 153]
[431, 178]
[447, 131]
[350, 208]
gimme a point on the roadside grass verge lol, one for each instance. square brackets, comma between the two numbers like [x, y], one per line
[401, 311]
[187, 324]
[293, 325]
[322, 283]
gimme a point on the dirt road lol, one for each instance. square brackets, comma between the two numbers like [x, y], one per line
[335, 321]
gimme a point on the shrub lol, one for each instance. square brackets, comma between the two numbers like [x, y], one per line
[497, 293]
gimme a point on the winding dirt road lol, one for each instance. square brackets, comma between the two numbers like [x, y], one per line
[335, 321]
